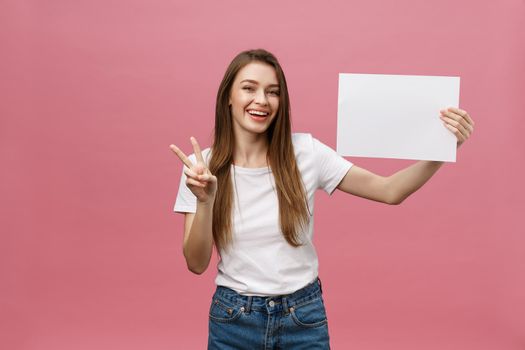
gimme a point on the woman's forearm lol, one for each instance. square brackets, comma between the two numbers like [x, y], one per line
[406, 181]
[199, 243]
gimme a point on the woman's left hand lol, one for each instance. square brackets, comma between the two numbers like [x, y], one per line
[458, 122]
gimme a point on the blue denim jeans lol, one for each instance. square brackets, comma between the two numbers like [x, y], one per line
[293, 321]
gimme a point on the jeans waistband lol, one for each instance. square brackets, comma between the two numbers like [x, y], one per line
[271, 303]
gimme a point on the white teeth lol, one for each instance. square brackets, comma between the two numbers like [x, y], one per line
[258, 112]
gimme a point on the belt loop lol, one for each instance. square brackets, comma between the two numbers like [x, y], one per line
[248, 304]
[285, 305]
[320, 285]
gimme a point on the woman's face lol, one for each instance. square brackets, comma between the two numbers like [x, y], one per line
[254, 98]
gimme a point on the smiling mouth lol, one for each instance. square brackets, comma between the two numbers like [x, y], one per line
[258, 115]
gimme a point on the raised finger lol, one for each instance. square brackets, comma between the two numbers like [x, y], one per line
[197, 149]
[181, 155]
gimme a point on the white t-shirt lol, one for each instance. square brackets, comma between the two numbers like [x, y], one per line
[260, 261]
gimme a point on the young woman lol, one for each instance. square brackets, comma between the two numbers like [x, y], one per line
[251, 195]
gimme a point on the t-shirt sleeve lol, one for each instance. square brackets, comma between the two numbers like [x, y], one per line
[331, 166]
[186, 201]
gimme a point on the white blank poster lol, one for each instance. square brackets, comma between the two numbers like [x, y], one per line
[396, 116]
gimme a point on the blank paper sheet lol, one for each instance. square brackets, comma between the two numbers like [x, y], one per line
[396, 116]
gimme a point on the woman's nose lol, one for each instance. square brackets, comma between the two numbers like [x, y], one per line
[260, 97]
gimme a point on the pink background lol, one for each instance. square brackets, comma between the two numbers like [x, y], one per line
[93, 92]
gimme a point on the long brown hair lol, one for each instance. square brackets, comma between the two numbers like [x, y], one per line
[293, 204]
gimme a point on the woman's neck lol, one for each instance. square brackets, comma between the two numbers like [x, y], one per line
[250, 151]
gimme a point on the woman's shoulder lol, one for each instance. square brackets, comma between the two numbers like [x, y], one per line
[302, 140]
[303, 145]
[306, 143]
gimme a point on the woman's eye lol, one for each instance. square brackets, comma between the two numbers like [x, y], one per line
[248, 88]
[275, 93]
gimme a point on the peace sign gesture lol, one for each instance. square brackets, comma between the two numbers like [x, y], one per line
[199, 180]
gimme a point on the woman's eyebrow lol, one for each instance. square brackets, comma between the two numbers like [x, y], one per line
[256, 82]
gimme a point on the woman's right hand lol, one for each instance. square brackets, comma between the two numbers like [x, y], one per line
[199, 179]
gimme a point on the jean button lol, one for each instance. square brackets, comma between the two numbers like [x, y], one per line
[271, 303]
